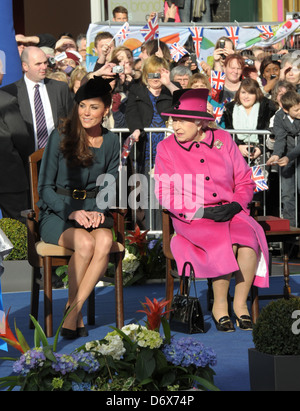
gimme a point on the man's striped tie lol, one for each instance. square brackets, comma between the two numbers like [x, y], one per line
[41, 126]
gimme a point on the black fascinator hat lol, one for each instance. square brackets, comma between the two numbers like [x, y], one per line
[95, 87]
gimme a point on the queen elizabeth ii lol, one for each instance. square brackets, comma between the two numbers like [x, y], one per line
[203, 180]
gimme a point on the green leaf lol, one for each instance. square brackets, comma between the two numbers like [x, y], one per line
[203, 382]
[40, 335]
[167, 379]
[21, 339]
[49, 353]
[166, 328]
[145, 364]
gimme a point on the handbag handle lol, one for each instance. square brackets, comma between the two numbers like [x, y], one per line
[191, 278]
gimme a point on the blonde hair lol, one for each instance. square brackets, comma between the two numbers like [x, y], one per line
[151, 65]
[77, 74]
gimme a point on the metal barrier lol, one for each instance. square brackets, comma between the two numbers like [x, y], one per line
[149, 196]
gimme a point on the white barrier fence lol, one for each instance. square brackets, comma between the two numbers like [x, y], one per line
[149, 200]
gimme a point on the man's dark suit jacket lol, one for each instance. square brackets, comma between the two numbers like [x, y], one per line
[14, 146]
[60, 99]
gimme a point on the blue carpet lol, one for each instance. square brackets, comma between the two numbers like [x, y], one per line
[231, 348]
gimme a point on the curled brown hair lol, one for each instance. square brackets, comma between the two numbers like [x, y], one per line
[74, 145]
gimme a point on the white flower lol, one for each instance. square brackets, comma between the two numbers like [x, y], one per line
[149, 338]
[130, 262]
[115, 347]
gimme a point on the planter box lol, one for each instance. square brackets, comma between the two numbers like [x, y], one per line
[273, 372]
[16, 276]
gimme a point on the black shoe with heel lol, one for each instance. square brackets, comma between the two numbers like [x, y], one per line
[224, 324]
[244, 322]
[70, 334]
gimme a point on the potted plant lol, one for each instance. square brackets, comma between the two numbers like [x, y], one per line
[134, 358]
[17, 270]
[274, 363]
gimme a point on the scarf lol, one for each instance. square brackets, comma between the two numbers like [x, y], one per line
[243, 121]
[199, 8]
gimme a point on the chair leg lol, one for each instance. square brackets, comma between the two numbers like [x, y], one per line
[48, 296]
[34, 298]
[254, 303]
[119, 292]
[91, 308]
[169, 285]
[209, 295]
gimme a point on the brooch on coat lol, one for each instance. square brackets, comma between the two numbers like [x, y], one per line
[218, 144]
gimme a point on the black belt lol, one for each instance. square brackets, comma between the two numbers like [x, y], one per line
[77, 194]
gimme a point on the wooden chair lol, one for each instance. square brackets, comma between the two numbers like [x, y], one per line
[167, 233]
[47, 256]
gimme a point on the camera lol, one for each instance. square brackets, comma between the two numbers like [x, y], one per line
[51, 62]
[118, 69]
[154, 75]
[249, 62]
[276, 57]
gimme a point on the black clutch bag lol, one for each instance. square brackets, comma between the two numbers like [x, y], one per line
[186, 315]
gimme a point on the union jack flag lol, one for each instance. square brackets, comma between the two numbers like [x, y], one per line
[218, 113]
[233, 34]
[259, 179]
[123, 32]
[150, 31]
[217, 79]
[266, 32]
[177, 51]
[197, 36]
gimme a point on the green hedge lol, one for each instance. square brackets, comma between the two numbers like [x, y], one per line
[17, 234]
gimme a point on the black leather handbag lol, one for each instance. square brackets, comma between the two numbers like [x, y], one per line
[186, 315]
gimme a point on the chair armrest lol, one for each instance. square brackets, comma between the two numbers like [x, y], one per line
[28, 214]
[119, 223]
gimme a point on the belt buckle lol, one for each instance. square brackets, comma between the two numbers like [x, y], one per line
[79, 194]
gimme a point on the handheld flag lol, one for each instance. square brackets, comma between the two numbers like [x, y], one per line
[197, 36]
[177, 51]
[217, 79]
[259, 179]
[218, 113]
[128, 144]
[123, 32]
[150, 31]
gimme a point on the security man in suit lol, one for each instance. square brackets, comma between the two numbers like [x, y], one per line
[54, 97]
[14, 152]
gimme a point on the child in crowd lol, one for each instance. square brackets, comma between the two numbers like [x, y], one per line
[286, 129]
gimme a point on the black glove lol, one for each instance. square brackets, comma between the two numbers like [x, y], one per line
[222, 213]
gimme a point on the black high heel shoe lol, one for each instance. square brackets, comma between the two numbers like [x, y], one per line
[82, 332]
[224, 324]
[244, 322]
[68, 334]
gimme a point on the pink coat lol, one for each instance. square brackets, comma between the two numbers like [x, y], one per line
[209, 173]
[177, 17]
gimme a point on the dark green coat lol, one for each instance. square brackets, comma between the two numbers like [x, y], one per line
[55, 208]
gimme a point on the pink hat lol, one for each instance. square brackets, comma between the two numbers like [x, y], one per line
[190, 103]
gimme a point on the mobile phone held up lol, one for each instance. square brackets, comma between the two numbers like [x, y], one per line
[222, 46]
